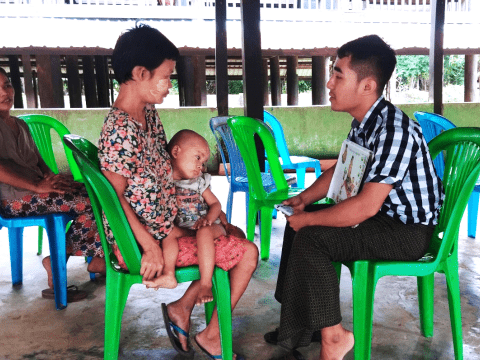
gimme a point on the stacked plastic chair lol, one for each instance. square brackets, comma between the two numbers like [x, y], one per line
[432, 125]
[104, 199]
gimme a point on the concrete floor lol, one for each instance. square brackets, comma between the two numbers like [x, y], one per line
[32, 329]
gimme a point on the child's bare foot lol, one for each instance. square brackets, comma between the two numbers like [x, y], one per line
[166, 281]
[48, 267]
[204, 294]
[337, 346]
[97, 265]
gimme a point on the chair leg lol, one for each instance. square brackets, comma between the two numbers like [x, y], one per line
[221, 287]
[58, 257]
[15, 238]
[318, 169]
[363, 295]
[453, 289]
[116, 295]
[229, 205]
[251, 221]
[338, 269]
[473, 213]
[301, 177]
[40, 240]
[265, 232]
[425, 288]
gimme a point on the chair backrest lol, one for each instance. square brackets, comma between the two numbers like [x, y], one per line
[433, 125]
[461, 148]
[277, 129]
[223, 136]
[244, 130]
[40, 127]
[104, 198]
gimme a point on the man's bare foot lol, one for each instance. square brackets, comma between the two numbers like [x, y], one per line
[336, 346]
[48, 267]
[166, 281]
[97, 265]
[180, 317]
[204, 295]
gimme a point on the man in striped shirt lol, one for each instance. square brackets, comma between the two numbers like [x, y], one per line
[396, 209]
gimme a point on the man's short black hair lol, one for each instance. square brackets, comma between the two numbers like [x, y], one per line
[370, 56]
[141, 46]
[4, 72]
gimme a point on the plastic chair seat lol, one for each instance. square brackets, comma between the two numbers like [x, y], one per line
[461, 173]
[104, 199]
[55, 224]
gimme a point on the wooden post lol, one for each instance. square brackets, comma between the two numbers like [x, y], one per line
[471, 77]
[28, 81]
[252, 67]
[199, 81]
[16, 81]
[50, 84]
[89, 82]
[436, 55]
[292, 80]
[101, 75]
[265, 81]
[185, 80]
[221, 58]
[275, 81]
[319, 80]
[74, 85]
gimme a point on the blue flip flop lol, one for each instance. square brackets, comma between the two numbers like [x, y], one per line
[239, 357]
[170, 326]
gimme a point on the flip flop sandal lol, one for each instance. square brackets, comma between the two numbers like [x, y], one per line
[210, 356]
[73, 294]
[170, 326]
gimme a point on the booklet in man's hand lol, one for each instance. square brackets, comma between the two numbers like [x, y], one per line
[349, 172]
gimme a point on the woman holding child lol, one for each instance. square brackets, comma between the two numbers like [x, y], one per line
[133, 156]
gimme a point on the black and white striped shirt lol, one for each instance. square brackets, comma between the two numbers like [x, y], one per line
[401, 158]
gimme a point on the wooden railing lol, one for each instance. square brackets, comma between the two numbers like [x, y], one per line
[280, 10]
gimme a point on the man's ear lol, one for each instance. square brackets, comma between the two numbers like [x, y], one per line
[139, 73]
[369, 86]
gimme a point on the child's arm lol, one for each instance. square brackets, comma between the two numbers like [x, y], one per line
[214, 208]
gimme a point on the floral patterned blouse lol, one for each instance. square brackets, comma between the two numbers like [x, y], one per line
[140, 155]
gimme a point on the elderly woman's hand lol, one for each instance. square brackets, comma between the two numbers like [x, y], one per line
[53, 183]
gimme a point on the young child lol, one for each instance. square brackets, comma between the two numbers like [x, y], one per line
[198, 208]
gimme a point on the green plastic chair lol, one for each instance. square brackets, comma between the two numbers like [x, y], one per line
[243, 129]
[461, 148]
[40, 127]
[118, 282]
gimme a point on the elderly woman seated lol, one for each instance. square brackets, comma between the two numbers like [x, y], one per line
[28, 187]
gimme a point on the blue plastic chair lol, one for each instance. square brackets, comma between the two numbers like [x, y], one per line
[55, 225]
[297, 163]
[432, 125]
[237, 176]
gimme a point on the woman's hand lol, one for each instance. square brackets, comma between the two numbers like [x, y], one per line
[152, 262]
